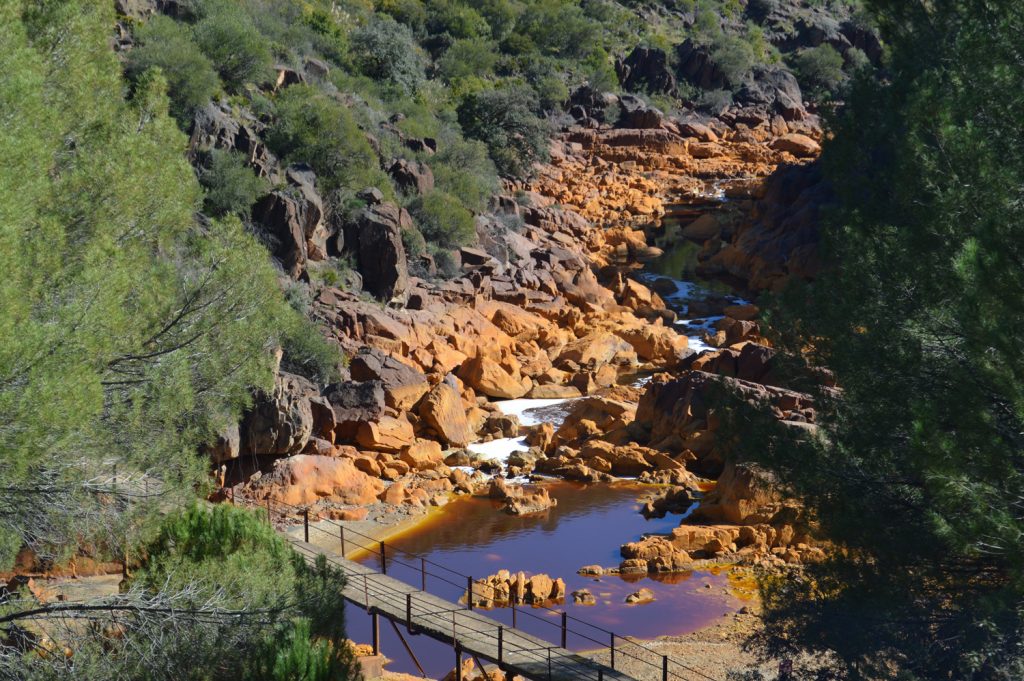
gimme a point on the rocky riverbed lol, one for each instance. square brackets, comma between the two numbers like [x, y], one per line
[570, 304]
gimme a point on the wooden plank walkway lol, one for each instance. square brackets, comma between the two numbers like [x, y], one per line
[476, 634]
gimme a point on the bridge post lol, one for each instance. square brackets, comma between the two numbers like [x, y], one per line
[549, 664]
[341, 535]
[565, 629]
[469, 592]
[375, 632]
[664, 668]
[423, 574]
[513, 615]
[501, 641]
[612, 665]
[458, 661]
[305, 524]
[600, 675]
[383, 560]
[408, 612]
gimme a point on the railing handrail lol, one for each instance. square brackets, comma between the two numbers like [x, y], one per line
[389, 560]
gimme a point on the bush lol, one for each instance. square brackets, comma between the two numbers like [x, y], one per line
[443, 220]
[463, 168]
[384, 50]
[307, 353]
[734, 57]
[237, 50]
[231, 186]
[168, 45]
[503, 119]
[819, 69]
[457, 20]
[312, 127]
[468, 57]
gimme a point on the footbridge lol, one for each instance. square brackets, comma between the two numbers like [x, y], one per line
[471, 633]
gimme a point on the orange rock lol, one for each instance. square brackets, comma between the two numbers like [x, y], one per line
[442, 410]
[423, 455]
[387, 435]
[488, 377]
[305, 478]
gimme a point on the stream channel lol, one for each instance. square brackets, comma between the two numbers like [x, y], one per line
[472, 536]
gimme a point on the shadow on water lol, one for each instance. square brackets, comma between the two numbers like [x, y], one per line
[472, 536]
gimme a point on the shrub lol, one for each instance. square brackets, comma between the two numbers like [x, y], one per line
[820, 69]
[443, 220]
[734, 57]
[238, 51]
[231, 186]
[503, 119]
[463, 168]
[457, 20]
[307, 353]
[384, 50]
[468, 57]
[168, 45]
[314, 128]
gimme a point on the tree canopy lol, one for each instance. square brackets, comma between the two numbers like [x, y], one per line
[918, 471]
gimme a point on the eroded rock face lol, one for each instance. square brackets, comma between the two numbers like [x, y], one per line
[376, 239]
[304, 479]
[647, 69]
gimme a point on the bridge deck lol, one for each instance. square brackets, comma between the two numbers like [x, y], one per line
[477, 634]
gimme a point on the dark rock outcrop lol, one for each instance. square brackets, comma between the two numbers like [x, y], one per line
[646, 69]
[376, 240]
[412, 177]
[292, 221]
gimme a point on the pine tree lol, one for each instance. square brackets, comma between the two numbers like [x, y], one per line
[918, 473]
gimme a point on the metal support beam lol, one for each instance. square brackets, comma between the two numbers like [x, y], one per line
[305, 524]
[664, 668]
[375, 631]
[458, 661]
[383, 559]
[565, 629]
[501, 642]
[469, 592]
[408, 648]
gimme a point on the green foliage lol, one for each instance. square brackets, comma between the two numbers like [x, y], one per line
[136, 332]
[735, 57]
[314, 128]
[442, 220]
[384, 50]
[236, 553]
[231, 186]
[307, 353]
[820, 69]
[468, 57]
[919, 473]
[464, 170]
[232, 44]
[503, 119]
[168, 46]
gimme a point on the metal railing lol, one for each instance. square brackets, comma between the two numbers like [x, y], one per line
[618, 648]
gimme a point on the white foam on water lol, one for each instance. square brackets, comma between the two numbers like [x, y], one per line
[521, 407]
[499, 450]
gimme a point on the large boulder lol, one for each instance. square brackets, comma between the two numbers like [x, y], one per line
[697, 66]
[442, 410]
[488, 377]
[389, 434]
[280, 422]
[800, 146]
[412, 177]
[305, 479]
[646, 69]
[376, 240]
[354, 402]
[403, 385]
[291, 222]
